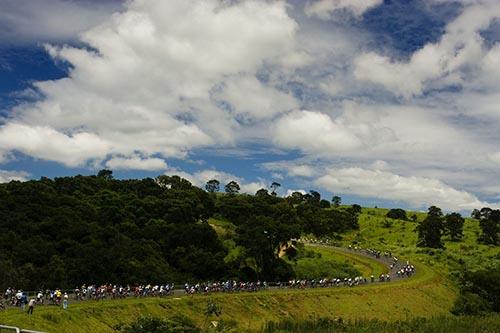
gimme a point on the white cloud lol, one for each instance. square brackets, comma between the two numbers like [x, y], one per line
[324, 9]
[7, 176]
[144, 85]
[26, 21]
[289, 192]
[252, 100]
[419, 192]
[459, 48]
[313, 132]
[47, 143]
[156, 81]
[136, 163]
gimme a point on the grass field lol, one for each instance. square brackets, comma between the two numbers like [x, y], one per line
[426, 294]
[318, 267]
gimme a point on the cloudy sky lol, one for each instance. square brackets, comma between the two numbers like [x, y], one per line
[384, 102]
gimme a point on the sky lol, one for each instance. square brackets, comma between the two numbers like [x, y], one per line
[392, 103]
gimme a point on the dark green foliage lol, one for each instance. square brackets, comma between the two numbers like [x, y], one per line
[336, 200]
[489, 220]
[105, 174]
[232, 187]
[96, 229]
[454, 226]
[470, 304]
[325, 222]
[313, 197]
[356, 208]
[431, 229]
[479, 292]
[158, 325]
[66, 231]
[262, 236]
[397, 213]
[296, 198]
[324, 203]
[262, 193]
[212, 186]
[266, 223]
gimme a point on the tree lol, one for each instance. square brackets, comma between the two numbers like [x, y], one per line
[397, 213]
[431, 229]
[324, 203]
[232, 187]
[490, 225]
[454, 226]
[295, 198]
[313, 197]
[479, 292]
[212, 186]
[489, 221]
[274, 186]
[476, 214]
[173, 182]
[356, 209]
[262, 193]
[336, 200]
[262, 236]
[105, 174]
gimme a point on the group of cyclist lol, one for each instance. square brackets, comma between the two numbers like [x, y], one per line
[21, 299]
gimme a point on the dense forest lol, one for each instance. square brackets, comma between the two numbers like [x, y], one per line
[67, 231]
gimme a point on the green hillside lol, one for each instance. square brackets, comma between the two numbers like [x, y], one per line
[426, 294]
[400, 237]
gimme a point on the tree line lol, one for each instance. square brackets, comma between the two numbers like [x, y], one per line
[62, 232]
[436, 225]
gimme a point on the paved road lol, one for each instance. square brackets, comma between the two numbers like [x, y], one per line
[385, 260]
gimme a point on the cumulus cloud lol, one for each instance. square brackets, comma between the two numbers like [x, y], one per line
[144, 84]
[26, 21]
[313, 132]
[7, 176]
[164, 79]
[252, 100]
[136, 163]
[46, 143]
[324, 9]
[445, 61]
[419, 192]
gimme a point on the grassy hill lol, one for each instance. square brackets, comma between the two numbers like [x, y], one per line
[400, 237]
[426, 294]
[429, 293]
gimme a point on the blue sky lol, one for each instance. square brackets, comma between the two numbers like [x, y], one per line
[389, 103]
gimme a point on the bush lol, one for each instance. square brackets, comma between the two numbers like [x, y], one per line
[397, 213]
[157, 325]
[470, 304]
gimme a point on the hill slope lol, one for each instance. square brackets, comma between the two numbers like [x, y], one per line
[425, 294]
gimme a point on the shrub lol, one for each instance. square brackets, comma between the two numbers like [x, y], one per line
[157, 325]
[470, 304]
[397, 213]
